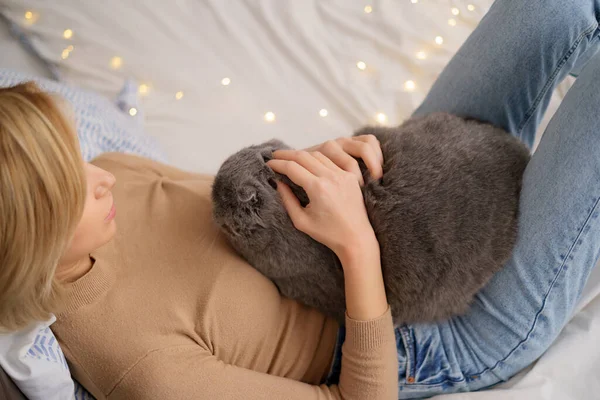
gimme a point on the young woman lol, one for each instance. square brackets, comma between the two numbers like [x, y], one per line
[166, 310]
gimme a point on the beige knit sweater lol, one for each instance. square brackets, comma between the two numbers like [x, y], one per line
[169, 311]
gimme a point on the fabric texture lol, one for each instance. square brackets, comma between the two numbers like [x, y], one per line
[34, 361]
[170, 311]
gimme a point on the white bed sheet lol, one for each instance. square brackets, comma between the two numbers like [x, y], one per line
[293, 58]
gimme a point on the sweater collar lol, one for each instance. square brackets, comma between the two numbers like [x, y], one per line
[88, 288]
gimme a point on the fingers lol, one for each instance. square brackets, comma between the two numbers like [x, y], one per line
[291, 203]
[373, 142]
[334, 151]
[367, 153]
[303, 158]
[297, 173]
[326, 161]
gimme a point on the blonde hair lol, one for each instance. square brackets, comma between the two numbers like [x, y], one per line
[42, 195]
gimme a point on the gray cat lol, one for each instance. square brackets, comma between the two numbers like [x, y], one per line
[444, 213]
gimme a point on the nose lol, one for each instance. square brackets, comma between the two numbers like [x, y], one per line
[103, 181]
[110, 180]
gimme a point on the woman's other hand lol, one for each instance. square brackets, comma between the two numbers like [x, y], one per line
[336, 215]
[344, 150]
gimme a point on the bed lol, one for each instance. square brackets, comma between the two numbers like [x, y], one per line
[216, 76]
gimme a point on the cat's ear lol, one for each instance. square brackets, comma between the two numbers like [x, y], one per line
[247, 194]
[269, 147]
[276, 144]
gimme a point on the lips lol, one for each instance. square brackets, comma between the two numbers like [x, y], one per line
[111, 213]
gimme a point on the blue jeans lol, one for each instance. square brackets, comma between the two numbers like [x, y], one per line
[504, 74]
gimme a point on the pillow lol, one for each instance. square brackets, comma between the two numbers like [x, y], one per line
[34, 360]
[102, 125]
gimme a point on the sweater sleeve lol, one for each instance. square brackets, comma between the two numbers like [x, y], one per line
[369, 371]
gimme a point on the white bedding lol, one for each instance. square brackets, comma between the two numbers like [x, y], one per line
[292, 58]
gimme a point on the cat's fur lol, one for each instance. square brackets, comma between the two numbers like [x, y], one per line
[445, 215]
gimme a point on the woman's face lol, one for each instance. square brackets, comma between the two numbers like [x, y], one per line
[97, 225]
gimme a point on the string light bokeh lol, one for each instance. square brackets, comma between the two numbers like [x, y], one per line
[116, 62]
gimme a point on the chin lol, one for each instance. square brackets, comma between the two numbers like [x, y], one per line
[111, 231]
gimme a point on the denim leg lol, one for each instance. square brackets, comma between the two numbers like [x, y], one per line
[504, 74]
[506, 70]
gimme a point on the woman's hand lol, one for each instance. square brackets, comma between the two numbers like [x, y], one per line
[336, 215]
[343, 150]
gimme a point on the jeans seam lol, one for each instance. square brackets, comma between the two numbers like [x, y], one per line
[544, 90]
[411, 364]
[410, 367]
[560, 270]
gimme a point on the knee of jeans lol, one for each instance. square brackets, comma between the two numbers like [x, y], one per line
[557, 14]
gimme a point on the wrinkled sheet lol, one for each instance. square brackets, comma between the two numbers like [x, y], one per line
[292, 58]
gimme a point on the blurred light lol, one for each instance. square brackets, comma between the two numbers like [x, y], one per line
[439, 40]
[132, 111]
[414, 1]
[452, 22]
[179, 95]
[65, 54]
[143, 89]
[421, 55]
[409, 86]
[116, 62]
[225, 81]
[361, 65]
[269, 116]
[68, 34]
[323, 112]
[70, 47]
[31, 17]
[368, 9]
[381, 118]
[471, 7]
[455, 11]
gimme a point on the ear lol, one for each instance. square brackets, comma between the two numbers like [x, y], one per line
[247, 194]
[269, 147]
[276, 144]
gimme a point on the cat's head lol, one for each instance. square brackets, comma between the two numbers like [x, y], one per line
[244, 194]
